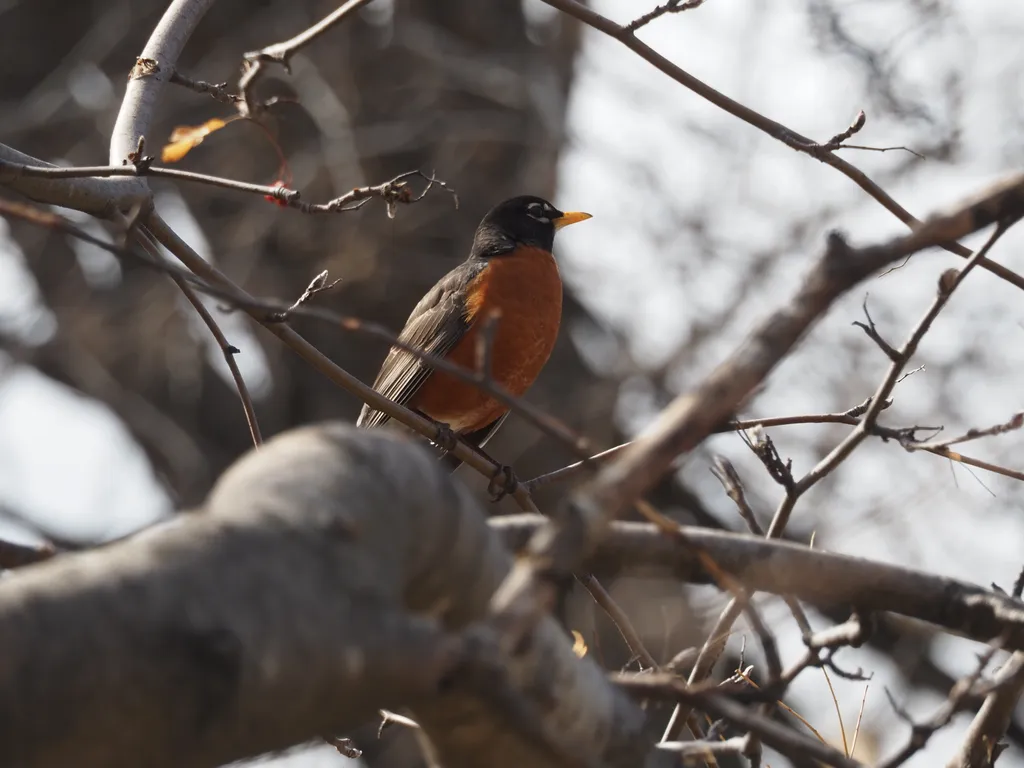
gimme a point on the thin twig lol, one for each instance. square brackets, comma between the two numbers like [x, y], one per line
[881, 395]
[776, 130]
[882, 149]
[1013, 424]
[228, 350]
[393, 191]
[981, 745]
[872, 331]
[855, 126]
[620, 620]
[779, 737]
[684, 750]
[920, 733]
[727, 475]
[672, 6]
[713, 647]
[317, 285]
[217, 91]
[269, 313]
[281, 53]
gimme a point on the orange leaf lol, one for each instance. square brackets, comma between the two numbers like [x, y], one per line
[579, 647]
[186, 137]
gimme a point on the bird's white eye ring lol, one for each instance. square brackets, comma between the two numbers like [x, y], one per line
[539, 211]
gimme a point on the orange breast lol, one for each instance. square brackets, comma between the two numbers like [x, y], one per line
[526, 289]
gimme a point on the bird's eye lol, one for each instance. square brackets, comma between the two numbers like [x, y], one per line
[540, 212]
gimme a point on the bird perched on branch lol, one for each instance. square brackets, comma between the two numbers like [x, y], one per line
[509, 292]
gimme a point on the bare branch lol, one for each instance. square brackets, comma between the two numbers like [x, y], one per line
[317, 285]
[620, 620]
[571, 471]
[816, 577]
[15, 555]
[281, 53]
[304, 575]
[872, 331]
[739, 745]
[920, 733]
[393, 192]
[217, 91]
[426, 427]
[672, 6]
[229, 351]
[727, 475]
[1013, 424]
[776, 130]
[531, 588]
[982, 744]
[855, 127]
[152, 69]
[785, 740]
[100, 197]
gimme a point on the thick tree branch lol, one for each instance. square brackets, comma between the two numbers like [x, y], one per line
[15, 555]
[100, 197]
[824, 579]
[331, 573]
[152, 69]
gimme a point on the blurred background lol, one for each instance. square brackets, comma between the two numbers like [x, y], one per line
[116, 408]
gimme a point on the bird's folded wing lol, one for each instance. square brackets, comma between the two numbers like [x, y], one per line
[435, 327]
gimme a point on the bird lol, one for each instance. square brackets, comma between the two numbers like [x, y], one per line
[511, 276]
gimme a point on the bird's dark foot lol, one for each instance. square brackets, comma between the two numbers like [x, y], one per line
[503, 482]
[446, 438]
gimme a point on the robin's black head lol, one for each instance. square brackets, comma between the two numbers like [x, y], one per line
[524, 220]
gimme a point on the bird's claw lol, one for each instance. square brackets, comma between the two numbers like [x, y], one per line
[502, 483]
[445, 439]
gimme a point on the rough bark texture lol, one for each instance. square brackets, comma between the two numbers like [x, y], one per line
[323, 580]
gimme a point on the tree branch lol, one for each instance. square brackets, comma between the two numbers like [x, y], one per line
[100, 197]
[281, 53]
[211, 275]
[820, 578]
[531, 588]
[331, 573]
[981, 745]
[777, 131]
[152, 69]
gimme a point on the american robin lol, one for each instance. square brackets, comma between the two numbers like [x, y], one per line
[510, 271]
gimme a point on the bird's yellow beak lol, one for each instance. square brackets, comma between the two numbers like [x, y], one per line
[570, 217]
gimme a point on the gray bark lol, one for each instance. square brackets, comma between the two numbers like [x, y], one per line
[327, 576]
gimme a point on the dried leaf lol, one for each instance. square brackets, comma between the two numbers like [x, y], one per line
[578, 647]
[185, 137]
